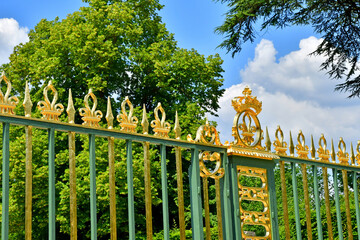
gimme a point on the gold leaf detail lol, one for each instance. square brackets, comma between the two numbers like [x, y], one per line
[216, 172]
[91, 117]
[358, 153]
[343, 156]
[127, 121]
[279, 144]
[7, 103]
[50, 110]
[323, 153]
[160, 127]
[301, 149]
[206, 134]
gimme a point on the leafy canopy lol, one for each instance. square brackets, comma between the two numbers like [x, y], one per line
[337, 21]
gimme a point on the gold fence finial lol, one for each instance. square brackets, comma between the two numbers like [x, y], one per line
[352, 155]
[144, 121]
[312, 149]
[323, 153]
[246, 126]
[358, 153]
[177, 128]
[279, 144]
[215, 172]
[50, 110]
[71, 109]
[343, 156]
[160, 127]
[128, 122]
[7, 103]
[91, 117]
[267, 141]
[206, 134]
[333, 154]
[301, 149]
[291, 145]
[27, 101]
[109, 115]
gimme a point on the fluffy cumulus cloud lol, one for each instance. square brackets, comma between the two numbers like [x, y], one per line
[11, 34]
[295, 95]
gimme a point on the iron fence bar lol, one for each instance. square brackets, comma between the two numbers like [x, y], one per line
[111, 154]
[307, 201]
[28, 182]
[284, 200]
[273, 203]
[296, 201]
[356, 198]
[51, 163]
[93, 211]
[147, 182]
[180, 187]
[72, 183]
[347, 205]
[195, 196]
[337, 204]
[130, 185]
[66, 127]
[206, 207]
[235, 202]
[327, 203]
[5, 182]
[164, 190]
[317, 203]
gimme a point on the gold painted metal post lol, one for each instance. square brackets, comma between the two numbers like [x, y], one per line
[148, 204]
[218, 209]
[307, 202]
[327, 203]
[347, 205]
[206, 206]
[284, 200]
[180, 187]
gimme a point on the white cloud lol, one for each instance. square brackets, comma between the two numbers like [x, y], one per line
[11, 34]
[295, 95]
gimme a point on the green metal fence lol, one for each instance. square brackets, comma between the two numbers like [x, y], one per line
[258, 194]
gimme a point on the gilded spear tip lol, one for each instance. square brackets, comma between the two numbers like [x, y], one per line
[71, 109]
[333, 154]
[267, 141]
[109, 115]
[145, 122]
[352, 155]
[312, 150]
[291, 146]
[27, 101]
[177, 128]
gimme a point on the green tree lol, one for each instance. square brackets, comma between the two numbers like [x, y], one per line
[117, 48]
[336, 21]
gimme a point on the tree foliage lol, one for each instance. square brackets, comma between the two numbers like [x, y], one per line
[336, 21]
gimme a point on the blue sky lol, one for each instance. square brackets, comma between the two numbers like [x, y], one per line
[295, 94]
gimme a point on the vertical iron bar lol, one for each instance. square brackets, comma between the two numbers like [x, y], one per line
[72, 178]
[111, 153]
[147, 180]
[218, 209]
[5, 182]
[206, 207]
[317, 203]
[272, 200]
[164, 190]
[195, 196]
[284, 200]
[296, 202]
[327, 203]
[337, 204]
[307, 202]
[235, 202]
[28, 182]
[180, 187]
[52, 229]
[93, 212]
[347, 204]
[131, 210]
[356, 196]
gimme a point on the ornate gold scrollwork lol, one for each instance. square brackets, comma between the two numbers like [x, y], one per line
[279, 144]
[91, 117]
[343, 156]
[128, 123]
[206, 134]
[160, 127]
[50, 110]
[7, 104]
[254, 194]
[215, 173]
[324, 154]
[301, 149]
[246, 127]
